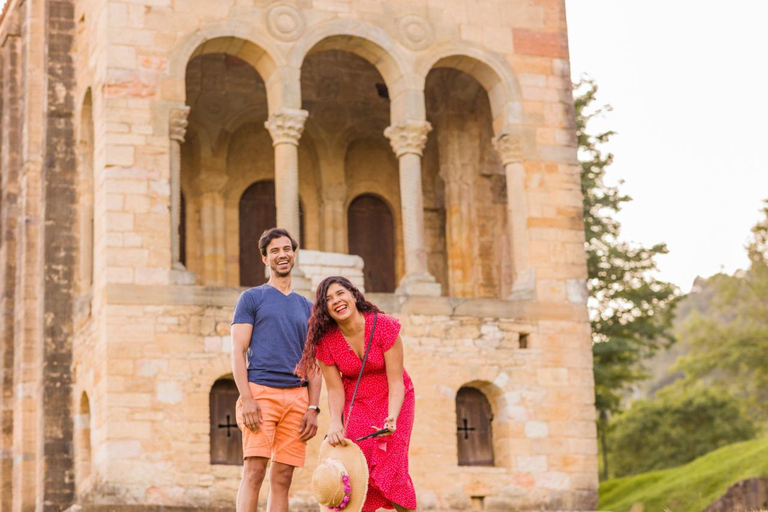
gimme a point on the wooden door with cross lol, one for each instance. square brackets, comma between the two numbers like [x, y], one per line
[226, 438]
[473, 428]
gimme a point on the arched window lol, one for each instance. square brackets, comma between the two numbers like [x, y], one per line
[257, 214]
[473, 428]
[183, 230]
[85, 194]
[83, 440]
[371, 231]
[226, 439]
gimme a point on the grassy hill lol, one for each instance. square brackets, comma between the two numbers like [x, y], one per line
[691, 487]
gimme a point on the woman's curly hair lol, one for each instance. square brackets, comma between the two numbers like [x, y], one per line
[320, 322]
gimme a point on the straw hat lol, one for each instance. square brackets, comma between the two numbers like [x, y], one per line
[341, 466]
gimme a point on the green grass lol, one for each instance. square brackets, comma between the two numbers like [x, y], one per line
[691, 487]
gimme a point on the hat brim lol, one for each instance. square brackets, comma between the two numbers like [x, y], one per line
[353, 459]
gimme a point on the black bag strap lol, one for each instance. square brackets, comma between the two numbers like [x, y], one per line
[362, 367]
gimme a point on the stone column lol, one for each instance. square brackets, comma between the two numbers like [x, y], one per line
[213, 225]
[286, 126]
[177, 130]
[408, 139]
[510, 148]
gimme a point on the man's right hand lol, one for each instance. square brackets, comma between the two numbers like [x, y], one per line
[251, 414]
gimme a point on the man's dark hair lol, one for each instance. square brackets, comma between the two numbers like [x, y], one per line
[270, 235]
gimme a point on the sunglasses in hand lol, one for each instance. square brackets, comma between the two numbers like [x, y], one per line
[378, 433]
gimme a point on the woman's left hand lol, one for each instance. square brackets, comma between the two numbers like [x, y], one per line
[390, 424]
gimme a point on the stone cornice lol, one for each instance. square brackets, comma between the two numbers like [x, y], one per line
[286, 126]
[408, 136]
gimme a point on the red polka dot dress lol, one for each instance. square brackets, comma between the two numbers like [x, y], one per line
[389, 481]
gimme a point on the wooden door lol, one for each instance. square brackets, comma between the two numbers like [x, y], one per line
[257, 214]
[473, 428]
[226, 438]
[371, 232]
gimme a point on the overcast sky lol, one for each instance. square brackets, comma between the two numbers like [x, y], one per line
[688, 82]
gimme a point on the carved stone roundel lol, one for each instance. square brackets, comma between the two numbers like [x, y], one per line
[415, 32]
[285, 22]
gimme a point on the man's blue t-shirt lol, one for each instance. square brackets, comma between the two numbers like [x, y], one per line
[279, 333]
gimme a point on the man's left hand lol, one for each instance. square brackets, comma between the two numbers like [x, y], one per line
[308, 426]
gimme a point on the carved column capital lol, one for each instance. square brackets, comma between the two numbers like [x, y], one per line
[178, 119]
[286, 125]
[509, 147]
[408, 136]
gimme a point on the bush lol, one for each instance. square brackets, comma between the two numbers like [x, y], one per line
[674, 428]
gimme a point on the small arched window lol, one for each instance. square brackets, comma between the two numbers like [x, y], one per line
[226, 439]
[473, 428]
[83, 439]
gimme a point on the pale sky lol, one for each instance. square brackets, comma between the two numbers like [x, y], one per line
[688, 82]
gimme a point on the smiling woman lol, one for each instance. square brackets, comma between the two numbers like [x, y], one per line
[360, 353]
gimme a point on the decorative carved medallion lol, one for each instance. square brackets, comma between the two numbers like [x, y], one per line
[509, 147]
[408, 136]
[178, 118]
[415, 32]
[286, 126]
[285, 22]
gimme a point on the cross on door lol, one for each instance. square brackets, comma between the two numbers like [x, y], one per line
[230, 425]
[465, 429]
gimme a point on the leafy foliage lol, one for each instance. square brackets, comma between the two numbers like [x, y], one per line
[631, 311]
[675, 428]
[729, 345]
[691, 487]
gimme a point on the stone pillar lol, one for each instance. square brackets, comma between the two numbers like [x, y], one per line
[408, 139]
[212, 226]
[334, 219]
[286, 126]
[10, 142]
[509, 147]
[177, 130]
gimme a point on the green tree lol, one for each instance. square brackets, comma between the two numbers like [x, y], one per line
[631, 311]
[728, 346]
[674, 428]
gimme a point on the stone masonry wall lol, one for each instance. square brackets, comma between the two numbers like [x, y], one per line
[163, 360]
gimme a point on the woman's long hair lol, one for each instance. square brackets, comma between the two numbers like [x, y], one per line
[321, 322]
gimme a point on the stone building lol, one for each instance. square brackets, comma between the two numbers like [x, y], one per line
[425, 148]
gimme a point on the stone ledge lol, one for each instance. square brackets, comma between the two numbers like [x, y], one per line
[226, 297]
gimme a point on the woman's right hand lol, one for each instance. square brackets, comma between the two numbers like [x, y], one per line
[336, 434]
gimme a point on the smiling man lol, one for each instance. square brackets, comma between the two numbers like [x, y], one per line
[277, 411]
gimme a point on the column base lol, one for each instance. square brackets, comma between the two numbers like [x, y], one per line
[180, 275]
[524, 287]
[419, 284]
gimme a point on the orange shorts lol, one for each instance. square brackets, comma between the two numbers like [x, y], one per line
[278, 436]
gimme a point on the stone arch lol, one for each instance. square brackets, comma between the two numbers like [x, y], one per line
[492, 71]
[367, 41]
[83, 445]
[240, 40]
[85, 195]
